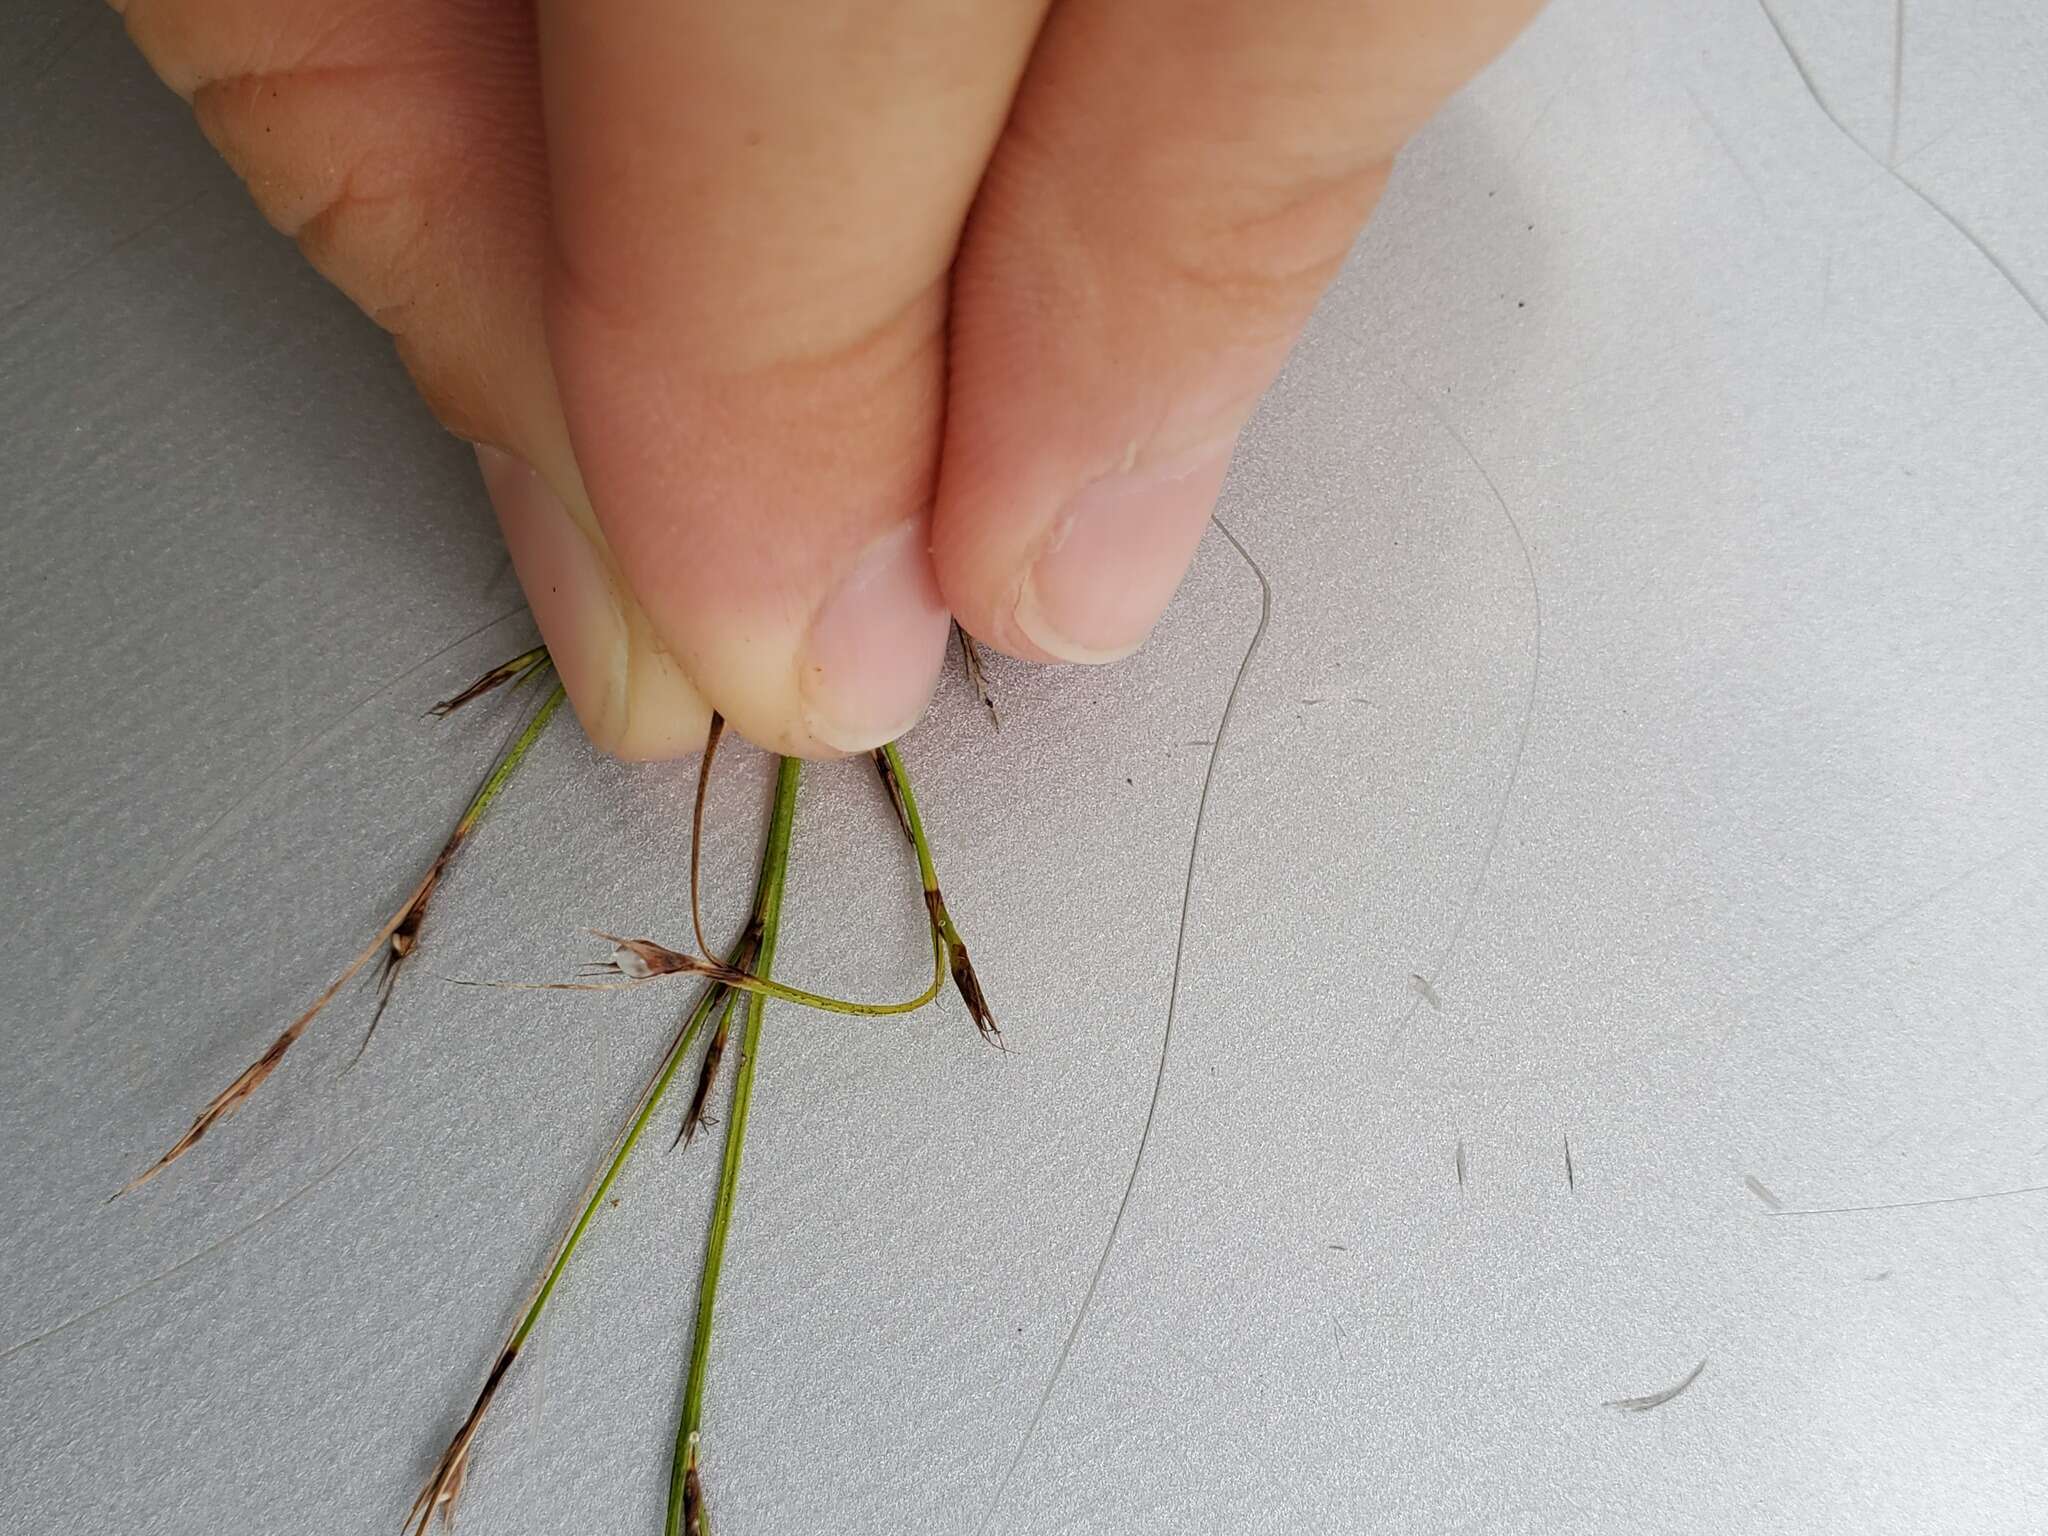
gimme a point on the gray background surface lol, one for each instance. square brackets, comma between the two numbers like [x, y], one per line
[1653, 521]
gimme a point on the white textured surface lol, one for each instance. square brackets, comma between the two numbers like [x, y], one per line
[1656, 520]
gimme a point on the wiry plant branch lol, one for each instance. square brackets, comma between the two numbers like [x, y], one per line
[445, 1485]
[686, 1509]
[396, 940]
[945, 936]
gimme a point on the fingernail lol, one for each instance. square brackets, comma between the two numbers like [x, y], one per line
[1117, 554]
[567, 586]
[873, 653]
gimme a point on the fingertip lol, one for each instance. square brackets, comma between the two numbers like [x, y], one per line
[874, 649]
[1114, 558]
[630, 696]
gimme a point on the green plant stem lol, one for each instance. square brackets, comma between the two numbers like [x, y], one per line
[622, 1149]
[944, 934]
[925, 870]
[945, 937]
[760, 986]
[768, 909]
[508, 765]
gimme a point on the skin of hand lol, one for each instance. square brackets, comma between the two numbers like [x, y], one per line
[785, 328]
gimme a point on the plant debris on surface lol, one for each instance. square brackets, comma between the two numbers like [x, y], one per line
[399, 937]
[740, 982]
[1657, 1399]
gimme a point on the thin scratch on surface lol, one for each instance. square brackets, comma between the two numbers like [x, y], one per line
[1864, 936]
[1720, 138]
[1914, 1205]
[1762, 1191]
[1180, 945]
[216, 831]
[1991, 258]
[210, 1249]
[1891, 153]
[82, 26]
[51, 289]
[1542, 115]
[1425, 991]
[1656, 1399]
[1571, 1177]
[1459, 1162]
[1507, 793]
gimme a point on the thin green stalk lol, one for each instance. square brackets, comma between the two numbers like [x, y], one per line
[446, 1483]
[685, 1499]
[758, 984]
[949, 948]
[650, 1101]
[907, 798]
[508, 765]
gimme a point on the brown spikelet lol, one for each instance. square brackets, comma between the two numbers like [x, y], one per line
[742, 960]
[895, 794]
[452, 1471]
[964, 979]
[969, 986]
[506, 672]
[693, 1503]
[232, 1097]
[970, 658]
[643, 959]
[405, 938]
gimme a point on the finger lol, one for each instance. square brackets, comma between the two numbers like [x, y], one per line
[756, 205]
[399, 142]
[1177, 185]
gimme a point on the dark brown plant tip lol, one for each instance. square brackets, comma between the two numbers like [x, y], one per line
[964, 980]
[452, 1471]
[711, 740]
[970, 659]
[694, 1523]
[405, 937]
[395, 940]
[252, 1077]
[743, 957]
[969, 986]
[505, 672]
[714, 1053]
[895, 792]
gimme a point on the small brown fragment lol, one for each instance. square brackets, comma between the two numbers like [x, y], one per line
[452, 1471]
[497, 677]
[693, 1503]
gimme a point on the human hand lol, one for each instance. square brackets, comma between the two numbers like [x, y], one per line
[785, 329]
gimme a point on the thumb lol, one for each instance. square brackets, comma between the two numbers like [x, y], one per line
[399, 143]
[1178, 183]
